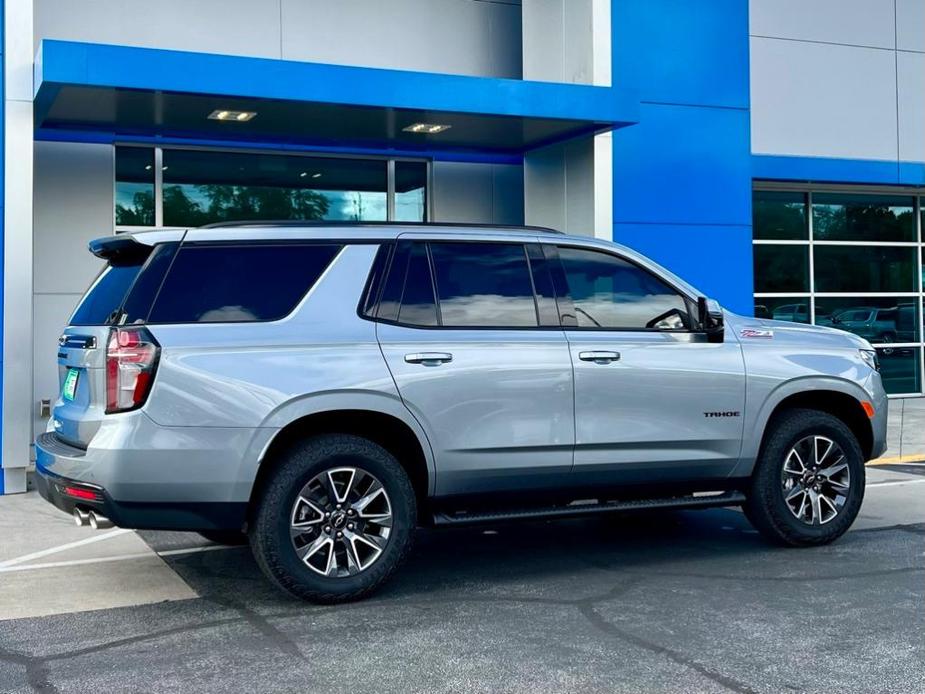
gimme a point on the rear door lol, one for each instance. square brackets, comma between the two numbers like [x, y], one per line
[121, 293]
[479, 359]
[655, 402]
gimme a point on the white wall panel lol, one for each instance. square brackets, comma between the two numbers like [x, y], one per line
[910, 25]
[478, 193]
[855, 22]
[822, 100]
[233, 27]
[73, 205]
[468, 37]
[911, 71]
[50, 314]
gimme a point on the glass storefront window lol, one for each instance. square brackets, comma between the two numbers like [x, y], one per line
[779, 215]
[791, 308]
[410, 191]
[134, 192]
[781, 268]
[880, 320]
[851, 217]
[900, 369]
[865, 269]
[203, 187]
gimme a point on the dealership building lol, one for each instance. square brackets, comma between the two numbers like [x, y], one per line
[771, 152]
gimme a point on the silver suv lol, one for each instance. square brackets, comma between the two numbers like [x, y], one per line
[326, 389]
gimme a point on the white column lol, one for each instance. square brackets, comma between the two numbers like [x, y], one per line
[17, 244]
[569, 186]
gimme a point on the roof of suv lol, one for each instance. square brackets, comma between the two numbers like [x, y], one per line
[360, 231]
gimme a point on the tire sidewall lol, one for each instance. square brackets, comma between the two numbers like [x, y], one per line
[301, 465]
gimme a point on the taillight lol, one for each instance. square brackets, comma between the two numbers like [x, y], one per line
[131, 358]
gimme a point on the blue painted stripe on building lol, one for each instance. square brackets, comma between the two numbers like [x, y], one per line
[99, 65]
[833, 170]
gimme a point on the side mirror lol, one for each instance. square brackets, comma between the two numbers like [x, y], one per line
[710, 319]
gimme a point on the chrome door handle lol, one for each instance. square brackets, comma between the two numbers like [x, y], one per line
[429, 358]
[599, 356]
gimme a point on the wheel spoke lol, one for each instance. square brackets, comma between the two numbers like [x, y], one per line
[835, 468]
[304, 523]
[312, 548]
[341, 496]
[799, 461]
[796, 490]
[828, 448]
[816, 507]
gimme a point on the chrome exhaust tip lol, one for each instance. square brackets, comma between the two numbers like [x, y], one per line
[98, 522]
[81, 517]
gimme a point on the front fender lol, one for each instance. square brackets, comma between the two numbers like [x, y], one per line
[758, 415]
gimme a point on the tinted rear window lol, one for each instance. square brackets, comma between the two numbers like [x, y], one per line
[483, 285]
[239, 283]
[105, 295]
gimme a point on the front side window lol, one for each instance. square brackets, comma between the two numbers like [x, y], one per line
[483, 285]
[609, 292]
[215, 283]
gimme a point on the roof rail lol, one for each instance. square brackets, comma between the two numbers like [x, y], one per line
[341, 223]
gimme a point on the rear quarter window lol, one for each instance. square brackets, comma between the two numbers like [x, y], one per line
[221, 283]
[104, 297]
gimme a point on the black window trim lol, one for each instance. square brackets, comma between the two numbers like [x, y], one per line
[227, 243]
[552, 255]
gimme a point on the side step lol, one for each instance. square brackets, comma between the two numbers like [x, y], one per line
[732, 498]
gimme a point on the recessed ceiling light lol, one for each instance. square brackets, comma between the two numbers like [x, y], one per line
[303, 174]
[316, 175]
[426, 128]
[147, 167]
[224, 114]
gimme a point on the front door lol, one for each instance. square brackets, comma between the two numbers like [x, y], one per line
[654, 401]
[491, 386]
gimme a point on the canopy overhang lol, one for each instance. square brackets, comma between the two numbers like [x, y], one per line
[100, 91]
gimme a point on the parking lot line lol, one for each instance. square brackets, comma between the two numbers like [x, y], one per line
[61, 548]
[895, 483]
[10, 566]
[898, 460]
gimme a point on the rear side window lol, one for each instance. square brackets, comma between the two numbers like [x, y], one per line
[101, 303]
[483, 285]
[239, 283]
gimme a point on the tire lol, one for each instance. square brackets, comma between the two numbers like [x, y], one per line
[301, 488]
[224, 537]
[766, 506]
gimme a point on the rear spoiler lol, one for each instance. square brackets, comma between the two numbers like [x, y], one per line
[123, 248]
[134, 248]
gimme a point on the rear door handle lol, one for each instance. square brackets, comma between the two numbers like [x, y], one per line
[429, 358]
[599, 356]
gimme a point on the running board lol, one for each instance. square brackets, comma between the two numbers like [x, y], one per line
[682, 502]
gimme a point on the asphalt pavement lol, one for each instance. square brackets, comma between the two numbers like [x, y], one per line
[668, 602]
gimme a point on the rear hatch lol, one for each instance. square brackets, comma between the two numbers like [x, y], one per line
[121, 294]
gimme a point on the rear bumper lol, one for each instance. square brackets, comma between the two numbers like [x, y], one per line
[144, 515]
[150, 477]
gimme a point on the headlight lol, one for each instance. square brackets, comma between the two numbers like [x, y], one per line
[870, 358]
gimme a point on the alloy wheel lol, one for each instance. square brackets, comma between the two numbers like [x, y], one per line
[816, 480]
[340, 522]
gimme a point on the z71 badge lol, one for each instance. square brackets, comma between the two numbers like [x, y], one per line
[757, 332]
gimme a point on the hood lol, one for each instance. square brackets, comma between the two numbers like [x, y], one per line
[755, 330]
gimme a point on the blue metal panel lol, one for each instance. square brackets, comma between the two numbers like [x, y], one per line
[683, 165]
[683, 51]
[715, 259]
[682, 175]
[832, 170]
[100, 65]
